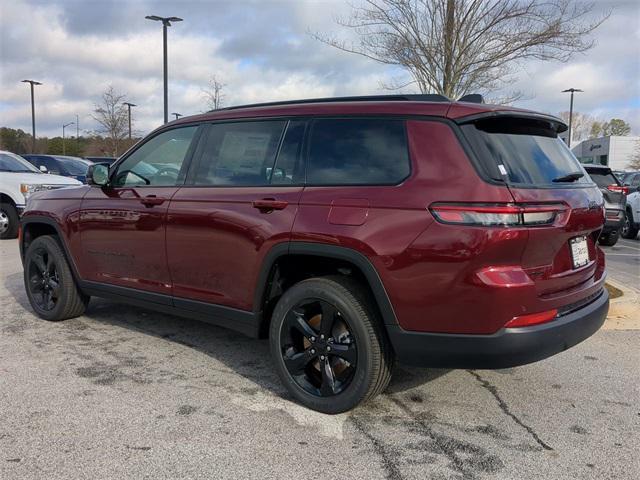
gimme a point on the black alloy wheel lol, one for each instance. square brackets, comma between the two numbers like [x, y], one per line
[44, 279]
[318, 348]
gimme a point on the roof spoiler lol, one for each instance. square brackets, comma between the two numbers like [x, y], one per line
[472, 98]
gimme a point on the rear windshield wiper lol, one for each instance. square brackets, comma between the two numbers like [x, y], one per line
[569, 177]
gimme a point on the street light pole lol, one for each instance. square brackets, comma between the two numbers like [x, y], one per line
[572, 90]
[178, 115]
[33, 115]
[166, 22]
[64, 150]
[129, 105]
[77, 135]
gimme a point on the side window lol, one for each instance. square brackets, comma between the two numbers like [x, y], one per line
[51, 164]
[357, 152]
[288, 169]
[239, 154]
[158, 161]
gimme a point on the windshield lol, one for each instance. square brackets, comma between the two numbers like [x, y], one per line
[10, 162]
[74, 166]
[525, 151]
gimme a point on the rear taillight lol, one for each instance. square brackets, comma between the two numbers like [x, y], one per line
[618, 189]
[497, 215]
[532, 319]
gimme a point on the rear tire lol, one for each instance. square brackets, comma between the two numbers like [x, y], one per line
[609, 239]
[51, 288]
[311, 364]
[9, 221]
[628, 229]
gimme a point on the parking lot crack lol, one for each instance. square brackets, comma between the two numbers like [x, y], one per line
[507, 411]
[392, 472]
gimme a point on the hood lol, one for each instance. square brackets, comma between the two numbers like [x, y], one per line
[40, 178]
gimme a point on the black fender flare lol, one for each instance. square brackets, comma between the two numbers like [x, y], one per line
[328, 251]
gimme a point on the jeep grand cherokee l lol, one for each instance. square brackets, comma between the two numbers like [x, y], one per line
[351, 232]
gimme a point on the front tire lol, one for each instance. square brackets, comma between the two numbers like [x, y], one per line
[51, 288]
[328, 345]
[9, 221]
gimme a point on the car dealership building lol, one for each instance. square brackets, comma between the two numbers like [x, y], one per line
[614, 151]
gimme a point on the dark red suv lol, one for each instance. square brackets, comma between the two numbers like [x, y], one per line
[352, 232]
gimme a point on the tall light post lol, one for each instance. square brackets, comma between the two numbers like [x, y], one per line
[64, 150]
[166, 22]
[33, 114]
[129, 105]
[77, 135]
[572, 90]
[178, 115]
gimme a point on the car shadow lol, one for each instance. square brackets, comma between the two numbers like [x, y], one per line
[240, 354]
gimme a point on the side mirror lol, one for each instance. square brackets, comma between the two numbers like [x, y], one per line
[98, 174]
[43, 169]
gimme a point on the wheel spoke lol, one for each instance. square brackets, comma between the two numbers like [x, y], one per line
[346, 351]
[329, 313]
[50, 265]
[328, 386]
[296, 363]
[39, 261]
[297, 321]
[55, 287]
[35, 283]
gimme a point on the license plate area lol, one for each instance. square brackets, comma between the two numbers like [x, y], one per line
[579, 251]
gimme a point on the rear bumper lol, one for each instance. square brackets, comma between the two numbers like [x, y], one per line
[509, 347]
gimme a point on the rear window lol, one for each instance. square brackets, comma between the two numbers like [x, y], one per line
[603, 179]
[358, 152]
[525, 151]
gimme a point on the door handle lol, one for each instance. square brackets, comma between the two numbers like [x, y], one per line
[152, 200]
[267, 205]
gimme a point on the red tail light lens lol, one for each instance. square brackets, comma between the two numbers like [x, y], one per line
[618, 189]
[532, 319]
[497, 215]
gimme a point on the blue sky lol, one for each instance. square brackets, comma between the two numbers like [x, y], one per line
[261, 50]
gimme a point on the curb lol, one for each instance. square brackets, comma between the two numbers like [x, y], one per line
[624, 311]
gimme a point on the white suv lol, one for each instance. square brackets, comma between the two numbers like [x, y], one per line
[632, 218]
[18, 180]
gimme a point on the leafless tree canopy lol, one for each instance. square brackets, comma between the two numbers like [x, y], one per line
[581, 125]
[455, 47]
[112, 117]
[213, 93]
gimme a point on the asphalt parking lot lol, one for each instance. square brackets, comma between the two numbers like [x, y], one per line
[124, 392]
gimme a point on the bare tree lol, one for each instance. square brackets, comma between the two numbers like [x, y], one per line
[581, 125]
[455, 47]
[111, 115]
[213, 93]
[634, 163]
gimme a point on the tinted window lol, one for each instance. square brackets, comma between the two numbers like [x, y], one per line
[603, 179]
[73, 166]
[158, 161]
[357, 152]
[13, 163]
[526, 151]
[239, 154]
[288, 169]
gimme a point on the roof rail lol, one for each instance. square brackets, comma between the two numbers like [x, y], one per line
[365, 98]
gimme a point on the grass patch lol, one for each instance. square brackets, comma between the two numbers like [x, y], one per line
[613, 291]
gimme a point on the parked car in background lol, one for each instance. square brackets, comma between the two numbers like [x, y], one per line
[352, 233]
[615, 199]
[64, 165]
[107, 160]
[632, 213]
[18, 180]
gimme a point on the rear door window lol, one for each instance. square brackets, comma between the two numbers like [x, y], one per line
[239, 154]
[357, 152]
[525, 151]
